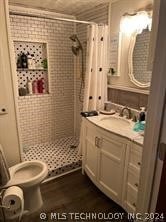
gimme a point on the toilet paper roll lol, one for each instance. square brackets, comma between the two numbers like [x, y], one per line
[14, 199]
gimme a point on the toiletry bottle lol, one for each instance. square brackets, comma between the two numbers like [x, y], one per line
[142, 114]
[19, 63]
[29, 87]
[29, 60]
[24, 61]
[33, 65]
[40, 85]
[44, 85]
[34, 87]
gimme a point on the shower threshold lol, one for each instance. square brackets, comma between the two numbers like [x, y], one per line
[61, 156]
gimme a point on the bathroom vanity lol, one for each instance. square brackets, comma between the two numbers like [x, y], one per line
[112, 154]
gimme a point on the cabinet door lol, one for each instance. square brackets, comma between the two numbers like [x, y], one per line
[91, 151]
[132, 178]
[111, 166]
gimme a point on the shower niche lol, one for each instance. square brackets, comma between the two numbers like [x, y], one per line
[31, 60]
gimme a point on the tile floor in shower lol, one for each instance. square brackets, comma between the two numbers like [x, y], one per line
[59, 155]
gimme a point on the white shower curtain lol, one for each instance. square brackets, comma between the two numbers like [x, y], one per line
[95, 93]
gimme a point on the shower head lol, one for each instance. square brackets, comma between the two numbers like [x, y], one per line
[76, 44]
[76, 48]
[73, 37]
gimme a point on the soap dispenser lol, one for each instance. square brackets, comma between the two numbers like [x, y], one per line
[142, 114]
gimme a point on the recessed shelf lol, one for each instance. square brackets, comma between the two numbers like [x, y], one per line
[35, 95]
[26, 69]
[36, 72]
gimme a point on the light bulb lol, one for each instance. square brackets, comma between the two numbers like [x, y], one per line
[137, 23]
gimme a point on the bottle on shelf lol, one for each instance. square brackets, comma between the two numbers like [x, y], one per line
[44, 85]
[35, 87]
[33, 62]
[40, 85]
[29, 87]
[29, 58]
[44, 64]
[24, 61]
[19, 62]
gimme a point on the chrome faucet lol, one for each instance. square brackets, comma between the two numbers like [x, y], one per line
[129, 112]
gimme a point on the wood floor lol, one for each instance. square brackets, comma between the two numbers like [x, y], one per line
[73, 193]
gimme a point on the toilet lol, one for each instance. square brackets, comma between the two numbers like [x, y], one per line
[28, 176]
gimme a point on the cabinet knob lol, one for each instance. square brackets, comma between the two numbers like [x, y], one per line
[100, 142]
[136, 184]
[3, 111]
[139, 163]
[96, 141]
[134, 204]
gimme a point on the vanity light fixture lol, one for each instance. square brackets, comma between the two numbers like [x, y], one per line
[136, 22]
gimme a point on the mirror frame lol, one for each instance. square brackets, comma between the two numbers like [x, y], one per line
[130, 63]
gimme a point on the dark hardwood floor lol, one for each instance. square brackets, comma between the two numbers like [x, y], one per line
[73, 193]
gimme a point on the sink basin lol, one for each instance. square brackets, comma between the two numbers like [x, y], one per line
[115, 122]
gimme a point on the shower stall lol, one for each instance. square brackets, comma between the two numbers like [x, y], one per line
[50, 56]
[49, 115]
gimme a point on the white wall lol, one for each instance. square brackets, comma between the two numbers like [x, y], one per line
[8, 125]
[117, 9]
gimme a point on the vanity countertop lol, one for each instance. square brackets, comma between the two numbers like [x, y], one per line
[125, 130]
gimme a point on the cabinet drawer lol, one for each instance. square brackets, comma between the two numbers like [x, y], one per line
[131, 198]
[135, 159]
[133, 178]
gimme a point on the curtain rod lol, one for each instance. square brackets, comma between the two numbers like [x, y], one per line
[47, 17]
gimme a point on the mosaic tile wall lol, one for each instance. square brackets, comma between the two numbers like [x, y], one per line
[39, 52]
[59, 155]
[48, 117]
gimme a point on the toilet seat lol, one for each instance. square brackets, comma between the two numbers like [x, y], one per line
[27, 174]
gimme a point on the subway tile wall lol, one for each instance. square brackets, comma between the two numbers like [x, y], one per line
[48, 117]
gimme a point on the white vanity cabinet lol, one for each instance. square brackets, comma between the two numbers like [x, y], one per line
[104, 160]
[133, 174]
[113, 164]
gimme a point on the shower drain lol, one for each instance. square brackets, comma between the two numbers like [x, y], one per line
[73, 146]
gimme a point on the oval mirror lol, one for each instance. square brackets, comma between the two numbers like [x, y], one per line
[138, 59]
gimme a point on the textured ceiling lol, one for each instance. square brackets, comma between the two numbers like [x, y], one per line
[71, 7]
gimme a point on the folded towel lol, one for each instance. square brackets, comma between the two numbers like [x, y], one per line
[4, 170]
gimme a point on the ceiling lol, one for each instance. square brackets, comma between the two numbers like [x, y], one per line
[71, 7]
